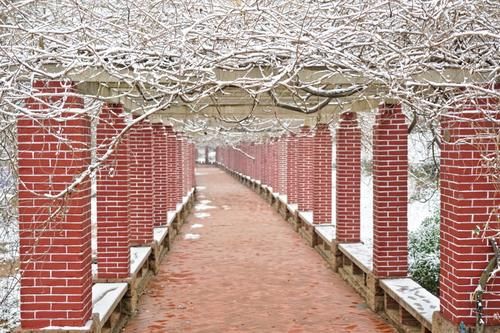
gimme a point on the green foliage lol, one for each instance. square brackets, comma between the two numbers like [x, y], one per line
[424, 254]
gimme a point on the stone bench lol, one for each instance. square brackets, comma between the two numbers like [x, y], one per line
[408, 305]
[325, 236]
[161, 245]
[108, 305]
[140, 273]
[306, 227]
[354, 263]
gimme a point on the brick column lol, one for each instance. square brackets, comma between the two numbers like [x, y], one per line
[291, 169]
[304, 167]
[265, 163]
[470, 198]
[258, 162]
[185, 165]
[322, 170]
[141, 183]
[194, 154]
[274, 165]
[172, 178]
[390, 193]
[282, 166]
[113, 201]
[178, 170]
[160, 187]
[54, 234]
[348, 184]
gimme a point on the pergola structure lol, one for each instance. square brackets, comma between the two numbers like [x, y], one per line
[145, 169]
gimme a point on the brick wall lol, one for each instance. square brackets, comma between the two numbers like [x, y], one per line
[282, 166]
[304, 165]
[291, 169]
[141, 183]
[469, 198]
[390, 193]
[160, 188]
[113, 201]
[348, 179]
[54, 244]
[172, 176]
[322, 174]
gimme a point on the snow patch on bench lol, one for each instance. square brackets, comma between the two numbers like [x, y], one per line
[359, 253]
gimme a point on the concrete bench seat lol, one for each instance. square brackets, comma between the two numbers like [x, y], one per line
[107, 303]
[324, 238]
[325, 231]
[159, 234]
[360, 254]
[138, 257]
[306, 227]
[354, 262]
[408, 304]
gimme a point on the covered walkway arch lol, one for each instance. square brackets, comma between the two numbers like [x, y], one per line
[103, 105]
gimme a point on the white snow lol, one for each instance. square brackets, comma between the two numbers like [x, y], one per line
[94, 270]
[197, 226]
[201, 215]
[283, 198]
[326, 231]
[293, 207]
[9, 303]
[159, 234]
[359, 253]
[201, 188]
[138, 255]
[307, 216]
[105, 296]
[85, 328]
[226, 207]
[192, 236]
[170, 217]
[204, 205]
[414, 295]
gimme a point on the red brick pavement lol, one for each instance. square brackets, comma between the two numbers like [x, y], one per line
[247, 272]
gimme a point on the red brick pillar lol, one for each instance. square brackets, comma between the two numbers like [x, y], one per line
[348, 184]
[193, 165]
[178, 167]
[160, 187]
[113, 201]
[141, 183]
[470, 198]
[322, 171]
[304, 170]
[258, 162]
[265, 163]
[291, 169]
[172, 176]
[282, 166]
[54, 234]
[390, 192]
[274, 165]
[253, 162]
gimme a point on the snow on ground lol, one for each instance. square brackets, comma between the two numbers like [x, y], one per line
[9, 303]
[201, 188]
[201, 215]
[196, 226]
[192, 236]
[226, 207]
[204, 205]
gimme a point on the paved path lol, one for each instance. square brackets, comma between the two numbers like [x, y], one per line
[247, 272]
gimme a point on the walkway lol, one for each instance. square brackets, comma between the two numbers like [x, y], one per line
[247, 272]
